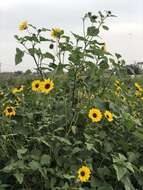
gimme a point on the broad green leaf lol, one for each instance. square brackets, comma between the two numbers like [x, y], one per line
[34, 165]
[92, 31]
[20, 152]
[48, 55]
[19, 55]
[127, 183]
[45, 159]
[120, 171]
[19, 176]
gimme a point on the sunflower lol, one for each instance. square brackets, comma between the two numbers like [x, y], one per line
[108, 115]
[36, 85]
[95, 115]
[138, 93]
[56, 32]
[138, 87]
[23, 25]
[117, 83]
[17, 101]
[10, 111]
[17, 89]
[47, 85]
[84, 173]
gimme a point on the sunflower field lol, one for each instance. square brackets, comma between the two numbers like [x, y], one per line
[77, 123]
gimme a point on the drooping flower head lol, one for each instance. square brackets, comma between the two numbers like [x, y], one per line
[108, 115]
[23, 25]
[18, 89]
[117, 83]
[138, 87]
[56, 32]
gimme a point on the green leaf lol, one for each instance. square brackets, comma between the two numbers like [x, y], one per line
[104, 64]
[19, 55]
[43, 39]
[127, 183]
[73, 128]
[20, 152]
[63, 140]
[32, 26]
[118, 55]
[81, 38]
[19, 177]
[92, 31]
[31, 38]
[34, 165]
[130, 167]
[108, 146]
[48, 55]
[120, 171]
[105, 27]
[141, 168]
[45, 159]
[103, 172]
[105, 187]
[67, 176]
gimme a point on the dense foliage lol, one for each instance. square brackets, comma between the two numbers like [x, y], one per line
[78, 125]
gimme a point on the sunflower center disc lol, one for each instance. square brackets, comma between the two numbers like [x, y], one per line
[47, 86]
[37, 85]
[82, 173]
[94, 115]
[9, 110]
[18, 87]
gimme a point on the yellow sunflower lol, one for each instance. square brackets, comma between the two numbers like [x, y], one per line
[17, 89]
[23, 25]
[95, 115]
[117, 83]
[10, 111]
[138, 93]
[84, 173]
[36, 86]
[17, 101]
[138, 87]
[108, 115]
[47, 85]
[56, 32]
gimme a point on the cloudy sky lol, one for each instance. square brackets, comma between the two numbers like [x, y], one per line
[125, 35]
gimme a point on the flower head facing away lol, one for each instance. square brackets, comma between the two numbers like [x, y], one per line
[23, 25]
[18, 89]
[56, 32]
[108, 115]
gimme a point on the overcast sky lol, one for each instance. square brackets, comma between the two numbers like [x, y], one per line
[125, 35]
